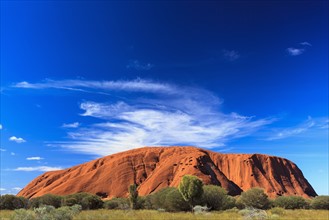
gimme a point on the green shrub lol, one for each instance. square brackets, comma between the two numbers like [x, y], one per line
[91, 202]
[12, 202]
[47, 213]
[253, 214]
[76, 209]
[169, 199]
[291, 202]
[214, 197]
[238, 203]
[320, 202]
[140, 202]
[148, 202]
[230, 203]
[44, 212]
[86, 200]
[23, 214]
[191, 189]
[175, 202]
[110, 204]
[62, 213]
[117, 203]
[69, 201]
[255, 198]
[48, 199]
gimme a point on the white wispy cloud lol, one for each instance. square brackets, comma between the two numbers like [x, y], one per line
[2, 150]
[168, 115]
[17, 139]
[295, 51]
[305, 43]
[34, 158]
[71, 125]
[138, 85]
[17, 188]
[38, 168]
[12, 154]
[1, 127]
[293, 131]
[136, 64]
[323, 124]
[2, 189]
[231, 55]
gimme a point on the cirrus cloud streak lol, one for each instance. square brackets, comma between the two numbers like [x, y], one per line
[38, 168]
[151, 114]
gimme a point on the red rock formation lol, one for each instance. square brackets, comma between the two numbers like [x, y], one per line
[154, 168]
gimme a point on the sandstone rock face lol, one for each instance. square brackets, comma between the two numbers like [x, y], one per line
[154, 168]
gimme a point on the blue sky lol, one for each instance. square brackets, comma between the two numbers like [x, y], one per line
[81, 80]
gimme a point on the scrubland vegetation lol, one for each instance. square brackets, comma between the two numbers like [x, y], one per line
[191, 200]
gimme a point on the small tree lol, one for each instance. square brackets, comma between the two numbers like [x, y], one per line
[117, 203]
[133, 196]
[50, 199]
[69, 201]
[91, 202]
[230, 202]
[291, 202]
[86, 200]
[255, 198]
[169, 199]
[320, 202]
[12, 202]
[191, 189]
[215, 197]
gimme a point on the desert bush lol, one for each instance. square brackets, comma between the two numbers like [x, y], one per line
[291, 202]
[230, 203]
[75, 209]
[140, 202]
[23, 214]
[69, 201]
[191, 189]
[48, 199]
[91, 202]
[214, 197]
[320, 202]
[47, 213]
[255, 198]
[117, 203]
[64, 213]
[12, 202]
[44, 212]
[34, 203]
[86, 200]
[253, 214]
[238, 203]
[148, 202]
[111, 204]
[169, 199]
